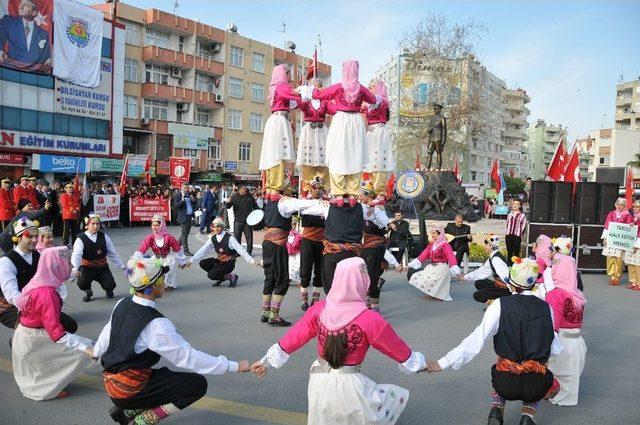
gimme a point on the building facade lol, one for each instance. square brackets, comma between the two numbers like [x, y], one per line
[193, 90]
[542, 141]
[613, 147]
[515, 132]
[628, 105]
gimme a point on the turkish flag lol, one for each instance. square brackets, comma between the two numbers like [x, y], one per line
[628, 188]
[390, 185]
[456, 172]
[418, 165]
[495, 176]
[312, 68]
[572, 170]
[558, 163]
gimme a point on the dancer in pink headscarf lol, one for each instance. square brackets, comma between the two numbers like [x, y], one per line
[615, 266]
[277, 139]
[632, 258]
[338, 392]
[347, 152]
[381, 160]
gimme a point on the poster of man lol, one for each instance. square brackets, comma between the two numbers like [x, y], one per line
[25, 35]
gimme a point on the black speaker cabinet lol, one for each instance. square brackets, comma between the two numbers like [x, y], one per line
[607, 199]
[562, 202]
[552, 230]
[589, 248]
[585, 208]
[540, 201]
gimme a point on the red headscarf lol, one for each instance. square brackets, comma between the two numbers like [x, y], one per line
[350, 84]
[279, 76]
[54, 267]
[346, 300]
[565, 277]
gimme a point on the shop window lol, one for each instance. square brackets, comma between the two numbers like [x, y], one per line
[102, 129]
[45, 122]
[28, 120]
[75, 126]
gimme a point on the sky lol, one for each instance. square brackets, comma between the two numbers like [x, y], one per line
[568, 55]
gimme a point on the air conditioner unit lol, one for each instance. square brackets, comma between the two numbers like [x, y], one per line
[219, 164]
[176, 72]
[183, 107]
[212, 166]
[218, 98]
[145, 121]
[217, 48]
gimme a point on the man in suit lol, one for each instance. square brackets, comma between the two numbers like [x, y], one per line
[399, 236]
[207, 209]
[223, 197]
[22, 42]
[184, 203]
[460, 244]
[242, 203]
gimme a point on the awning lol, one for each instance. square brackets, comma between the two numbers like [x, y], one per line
[136, 130]
[249, 177]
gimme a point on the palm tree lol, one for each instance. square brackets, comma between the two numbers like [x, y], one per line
[635, 163]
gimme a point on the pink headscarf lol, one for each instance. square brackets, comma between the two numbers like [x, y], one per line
[40, 246]
[380, 89]
[350, 84]
[54, 267]
[162, 231]
[346, 298]
[442, 238]
[543, 249]
[565, 277]
[279, 76]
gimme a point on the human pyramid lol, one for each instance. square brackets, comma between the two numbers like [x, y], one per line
[342, 253]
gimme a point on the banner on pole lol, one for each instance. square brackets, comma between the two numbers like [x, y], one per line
[143, 209]
[107, 207]
[180, 170]
[137, 165]
[621, 236]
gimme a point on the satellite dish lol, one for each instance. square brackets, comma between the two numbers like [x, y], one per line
[291, 45]
[232, 27]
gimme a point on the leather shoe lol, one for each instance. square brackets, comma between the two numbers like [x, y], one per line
[109, 294]
[304, 306]
[279, 322]
[495, 416]
[233, 280]
[117, 414]
[87, 296]
[264, 319]
[526, 420]
[216, 283]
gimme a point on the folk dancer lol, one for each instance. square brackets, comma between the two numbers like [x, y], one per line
[136, 337]
[89, 259]
[491, 278]
[381, 160]
[516, 225]
[614, 255]
[339, 393]
[567, 303]
[45, 238]
[435, 279]
[632, 258]
[277, 140]
[70, 205]
[564, 245]
[17, 267]
[311, 247]
[227, 248]
[523, 338]
[25, 211]
[347, 151]
[46, 357]
[7, 207]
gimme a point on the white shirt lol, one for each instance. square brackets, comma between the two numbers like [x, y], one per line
[8, 279]
[471, 345]
[161, 337]
[376, 215]
[78, 249]
[29, 24]
[389, 258]
[159, 241]
[289, 206]
[484, 271]
[233, 244]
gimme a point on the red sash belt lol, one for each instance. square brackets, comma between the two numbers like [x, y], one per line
[127, 383]
[276, 235]
[336, 248]
[528, 366]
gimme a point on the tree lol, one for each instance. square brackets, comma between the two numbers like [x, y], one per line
[635, 162]
[515, 185]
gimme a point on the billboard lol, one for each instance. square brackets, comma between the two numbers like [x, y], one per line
[186, 136]
[72, 99]
[29, 141]
[60, 164]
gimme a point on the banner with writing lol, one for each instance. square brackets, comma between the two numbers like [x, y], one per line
[621, 236]
[107, 207]
[180, 170]
[143, 209]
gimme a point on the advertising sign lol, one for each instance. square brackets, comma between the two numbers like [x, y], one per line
[231, 165]
[72, 99]
[163, 168]
[143, 209]
[180, 170]
[107, 207]
[186, 136]
[137, 165]
[27, 141]
[12, 159]
[107, 165]
[60, 163]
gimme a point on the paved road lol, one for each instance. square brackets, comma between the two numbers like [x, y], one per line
[225, 321]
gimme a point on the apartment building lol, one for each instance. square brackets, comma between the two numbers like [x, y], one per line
[542, 141]
[515, 132]
[628, 105]
[197, 91]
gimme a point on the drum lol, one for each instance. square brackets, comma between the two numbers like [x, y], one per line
[255, 219]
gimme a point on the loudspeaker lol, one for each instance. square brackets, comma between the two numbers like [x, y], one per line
[562, 202]
[607, 199]
[589, 248]
[585, 209]
[552, 230]
[540, 201]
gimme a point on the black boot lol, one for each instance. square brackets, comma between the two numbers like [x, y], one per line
[381, 282]
[87, 296]
[117, 414]
[109, 294]
[526, 420]
[216, 283]
[495, 416]
[233, 280]
[279, 321]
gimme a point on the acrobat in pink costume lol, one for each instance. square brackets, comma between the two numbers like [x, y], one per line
[381, 160]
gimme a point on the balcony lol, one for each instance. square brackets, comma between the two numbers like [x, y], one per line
[208, 66]
[625, 116]
[167, 21]
[623, 100]
[166, 92]
[515, 134]
[159, 56]
[210, 33]
[208, 100]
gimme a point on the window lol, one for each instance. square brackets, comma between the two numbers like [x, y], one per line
[130, 107]
[60, 124]
[102, 129]
[237, 56]
[473, 176]
[256, 122]
[203, 117]
[258, 62]
[244, 152]
[132, 33]
[215, 149]
[300, 72]
[235, 87]
[89, 127]
[106, 48]
[156, 74]
[75, 126]
[181, 43]
[45, 122]
[235, 119]
[205, 83]
[131, 70]
[28, 120]
[192, 153]
[155, 109]
[601, 160]
[257, 93]
[154, 37]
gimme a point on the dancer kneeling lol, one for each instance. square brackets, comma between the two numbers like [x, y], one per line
[338, 392]
[490, 279]
[523, 338]
[227, 247]
[434, 280]
[135, 339]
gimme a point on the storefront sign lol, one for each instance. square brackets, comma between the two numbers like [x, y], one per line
[12, 159]
[163, 168]
[180, 170]
[187, 136]
[72, 99]
[22, 140]
[231, 165]
[143, 209]
[60, 163]
[210, 177]
[107, 165]
[107, 207]
[137, 165]
[247, 177]
[621, 236]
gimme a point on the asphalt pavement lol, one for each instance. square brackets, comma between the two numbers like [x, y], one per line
[225, 320]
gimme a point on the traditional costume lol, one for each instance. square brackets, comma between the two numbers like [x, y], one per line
[311, 247]
[523, 338]
[435, 279]
[632, 258]
[542, 249]
[227, 248]
[381, 160]
[165, 248]
[70, 209]
[7, 207]
[564, 245]
[567, 303]
[615, 266]
[46, 357]
[340, 393]
[89, 258]
[516, 225]
[294, 240]
[491, 278]
[20, 191]
[136, 337]
[277, 140]
[45, 238]
[31, 193]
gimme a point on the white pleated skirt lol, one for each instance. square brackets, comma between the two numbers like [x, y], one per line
[434, 280]
[567, 366]
[277, 142]
[43, 368]
[170, 279]
[347, 151]
[346, 396]
[312, 146]
[380, 145]
[294, 268]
